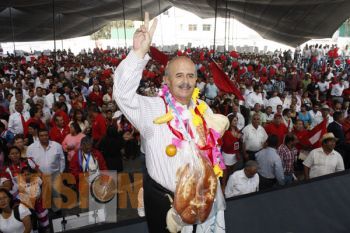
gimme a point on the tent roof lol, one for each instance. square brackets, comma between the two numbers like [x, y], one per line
[290, 22]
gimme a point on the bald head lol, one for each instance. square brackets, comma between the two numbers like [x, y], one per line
[181, 76]
[176, 61]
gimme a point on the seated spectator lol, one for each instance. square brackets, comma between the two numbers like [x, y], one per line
[243, 181]
[324, 160]
[13, 218]
[270, 165]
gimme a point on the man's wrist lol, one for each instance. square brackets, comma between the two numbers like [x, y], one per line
[140, 54]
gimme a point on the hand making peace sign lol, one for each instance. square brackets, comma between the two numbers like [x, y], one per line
[143, 37]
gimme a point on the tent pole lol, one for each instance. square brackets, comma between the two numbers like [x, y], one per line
[225, 27]
[216, 14]
[141, 8]
[54, 29]
[13, 32]
[124, 23]
[229, 27]
[60, 27]
[160, 23]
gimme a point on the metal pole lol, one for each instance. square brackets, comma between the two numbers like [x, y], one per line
[229, 27]
[160, 24]
[141, 8]
[13, 32]
[124, 23]
[225, 27]
[54, 29]
[60, 28]
[216, 14]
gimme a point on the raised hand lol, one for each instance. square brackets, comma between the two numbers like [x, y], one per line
[143, 37]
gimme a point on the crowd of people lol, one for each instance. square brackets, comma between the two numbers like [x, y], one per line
[58, 114]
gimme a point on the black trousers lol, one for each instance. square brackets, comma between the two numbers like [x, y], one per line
[156, 204]
[265, 183]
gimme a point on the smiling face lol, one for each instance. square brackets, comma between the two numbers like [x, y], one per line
[181, 79]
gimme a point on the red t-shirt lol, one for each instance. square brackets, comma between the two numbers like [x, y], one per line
[279, 130]
[57, 134]
[99, 127]
[230, 143]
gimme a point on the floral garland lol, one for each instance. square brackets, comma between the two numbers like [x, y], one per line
[210, 138]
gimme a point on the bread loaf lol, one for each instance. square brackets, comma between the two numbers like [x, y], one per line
[195, 192]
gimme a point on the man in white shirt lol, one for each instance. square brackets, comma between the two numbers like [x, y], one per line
[211, 91]
[200, 85]
[254, 137]
[48, 155]
[274, 101]
[243, 181]
[254, 97]
[241, 120]
[52, 97]
[162, 163]
[324, 160]
[316, 116]
[337, 91]
[42, 81]
[18, 119]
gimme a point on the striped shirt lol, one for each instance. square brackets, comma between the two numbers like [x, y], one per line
[141, 111]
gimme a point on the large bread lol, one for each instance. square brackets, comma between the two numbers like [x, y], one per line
[195, 192]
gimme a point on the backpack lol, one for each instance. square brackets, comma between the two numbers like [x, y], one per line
[33, 217]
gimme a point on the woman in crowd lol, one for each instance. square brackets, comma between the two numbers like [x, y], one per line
[79, 118]
[96, 95]
[18, 141]
[305, 116]
[32, 133]
[13, 218]
[231, 148]
[71, 142]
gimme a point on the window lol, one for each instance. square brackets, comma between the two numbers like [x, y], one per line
[192, 27]
[206, 27]
[181, 27]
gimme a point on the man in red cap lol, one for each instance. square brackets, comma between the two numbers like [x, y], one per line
[277, 128]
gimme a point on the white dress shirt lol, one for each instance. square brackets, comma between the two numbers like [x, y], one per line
[239, 184]
[15, 123]
[337, 90]
[316, 118]
[273, 102]
[321, 164]
[50, 160]
[141, 111]
[241, 121]
[254, 138]
[254, 98]
[49, 99]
